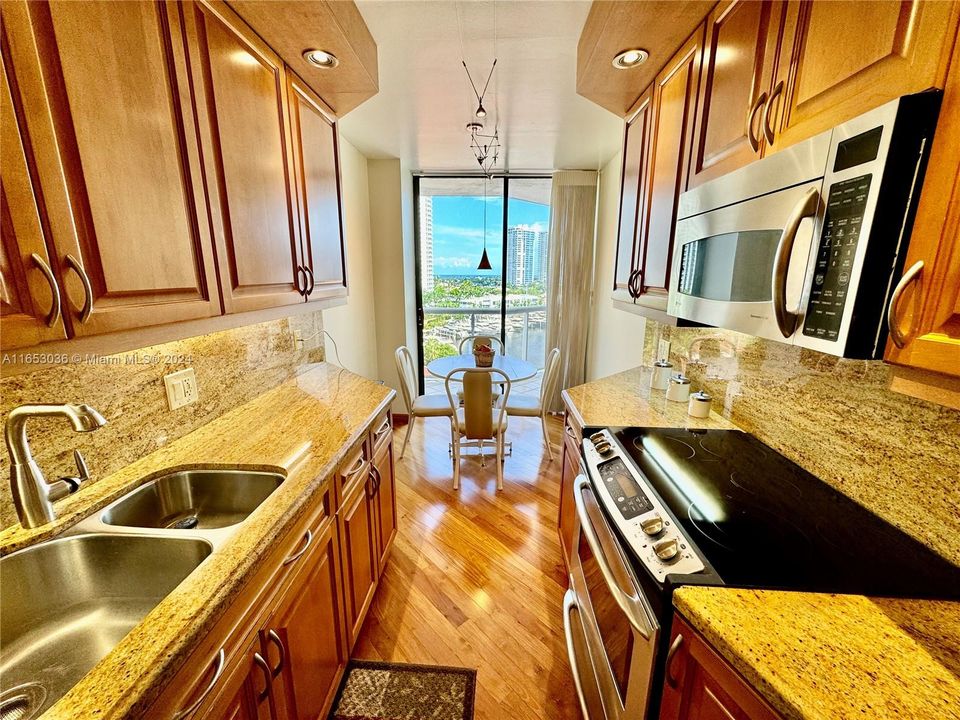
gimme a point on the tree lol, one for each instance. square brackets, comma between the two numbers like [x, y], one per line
[433, 349]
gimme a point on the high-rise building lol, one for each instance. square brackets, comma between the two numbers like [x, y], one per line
[526, 255]
[426, 243]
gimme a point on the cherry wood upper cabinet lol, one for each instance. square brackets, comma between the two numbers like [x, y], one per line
[114, 143]
[633, 195]
[928, 310]
[29, 291]
[739, 57]
[701, 685]
[317, 170]
[241, 97]
[674, 107]
[844, 58]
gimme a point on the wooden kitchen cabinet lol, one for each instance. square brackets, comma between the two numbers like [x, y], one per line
[114, 152]
[701, 685]
[29, 291]
[241, 91]
[739, 61]
[244, 692]
[841, 59]
[305, 641]
[633, 195]
[569, 469]
[317, 173]
[358, 551]
[386, 493]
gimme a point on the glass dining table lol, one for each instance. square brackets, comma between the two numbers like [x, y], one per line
[513, 367]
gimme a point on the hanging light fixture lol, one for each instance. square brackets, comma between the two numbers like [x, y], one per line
[485, 147]
[484, 259]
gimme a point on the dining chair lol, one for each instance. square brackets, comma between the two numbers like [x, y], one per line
[478, 421]
[417, 405]
[474, 341]
[533, 406]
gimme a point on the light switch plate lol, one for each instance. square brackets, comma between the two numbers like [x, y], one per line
[663, 350]
[181, 388]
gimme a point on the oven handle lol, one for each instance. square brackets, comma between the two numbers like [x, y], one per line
[634, 605]
[807, 207]
[569, 605]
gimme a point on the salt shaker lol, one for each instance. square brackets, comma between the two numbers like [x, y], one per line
[661, 374]
[679, 388]
[699, 405]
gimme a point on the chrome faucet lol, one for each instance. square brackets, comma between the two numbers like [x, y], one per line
[32, 494]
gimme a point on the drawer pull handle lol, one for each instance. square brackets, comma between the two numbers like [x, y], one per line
[569, 431]
[309, 291]
[897, 336]
[54, 315]
[87, 287]
[307, 539]
[274, 637]
[357, 467]
[672, 680]
[265, 667]
[219, 662]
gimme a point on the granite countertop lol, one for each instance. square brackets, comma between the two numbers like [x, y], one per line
[812, 656]
[625, 399]
[816, 656]
[302, 428]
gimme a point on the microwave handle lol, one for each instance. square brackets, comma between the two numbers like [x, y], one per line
[807, 207]
[633, 605]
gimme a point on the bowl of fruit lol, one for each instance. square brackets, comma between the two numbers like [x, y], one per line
[484, 355]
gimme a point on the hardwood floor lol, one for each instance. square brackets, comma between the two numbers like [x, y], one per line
[475, 578]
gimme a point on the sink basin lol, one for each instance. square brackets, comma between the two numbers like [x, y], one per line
[68, 602]
[193, 499]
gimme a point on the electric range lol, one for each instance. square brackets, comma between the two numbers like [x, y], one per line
[658, 508]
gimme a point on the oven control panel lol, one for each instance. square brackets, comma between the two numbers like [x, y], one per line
[636, 510]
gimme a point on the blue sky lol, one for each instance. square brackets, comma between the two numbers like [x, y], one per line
[458, 231]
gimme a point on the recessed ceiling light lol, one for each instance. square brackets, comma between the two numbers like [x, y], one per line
[321, 59]
[630, 58]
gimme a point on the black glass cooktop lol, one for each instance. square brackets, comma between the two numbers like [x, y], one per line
[763, 521]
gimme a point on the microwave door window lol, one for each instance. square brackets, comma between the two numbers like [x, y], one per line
[730, 267]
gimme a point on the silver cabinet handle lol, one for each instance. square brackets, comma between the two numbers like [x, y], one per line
[898, 337]
[219, 662]
[569, 607]
[752, 121]
[633, 605]
[265, 668]
[569, 431]
[671, 654]
[309, 273]
[87, 308]
[54, 315]
[383, 430]
[301, 288]
[307, 539]
[767, 127]
[274, 637]
[807, 207]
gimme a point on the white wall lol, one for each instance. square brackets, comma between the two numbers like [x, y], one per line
[616, 336]
[353, 325]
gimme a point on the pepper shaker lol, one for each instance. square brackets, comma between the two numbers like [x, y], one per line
[699, 405]
[661, 374]
[679, 388]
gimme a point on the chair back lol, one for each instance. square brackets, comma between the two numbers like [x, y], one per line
[478, 409]
[408, 376]
[474, 341]
[551, 375]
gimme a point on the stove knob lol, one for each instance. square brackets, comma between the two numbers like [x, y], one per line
[604, 448]
[667, 550]
[598, 438]
[653, 525]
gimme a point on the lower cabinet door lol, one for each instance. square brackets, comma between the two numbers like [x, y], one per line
[568, 473]
[386, 503]
[305, 640]
[358, 550]
[245, 691]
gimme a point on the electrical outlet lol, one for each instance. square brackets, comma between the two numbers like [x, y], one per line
[663, 349]
[181, 388]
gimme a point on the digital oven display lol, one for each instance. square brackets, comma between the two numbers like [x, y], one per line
[623, 488]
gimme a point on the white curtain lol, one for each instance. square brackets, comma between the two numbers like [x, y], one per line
[573, 220]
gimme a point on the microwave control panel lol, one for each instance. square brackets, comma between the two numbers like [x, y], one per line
[838, 248]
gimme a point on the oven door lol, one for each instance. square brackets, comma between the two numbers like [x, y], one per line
[610, 627]
[743, 266]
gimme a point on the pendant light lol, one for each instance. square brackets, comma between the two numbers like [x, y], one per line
[484, 259]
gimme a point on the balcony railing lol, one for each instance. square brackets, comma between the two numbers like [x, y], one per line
[526, 328]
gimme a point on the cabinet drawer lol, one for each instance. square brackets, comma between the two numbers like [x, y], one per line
[381, 435]
[355, 469]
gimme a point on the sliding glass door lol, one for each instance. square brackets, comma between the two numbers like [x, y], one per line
[482, 255]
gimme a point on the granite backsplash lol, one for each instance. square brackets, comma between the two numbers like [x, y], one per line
[896, 455]
[232, 367]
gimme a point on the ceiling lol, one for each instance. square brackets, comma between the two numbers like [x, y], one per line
[425, 99]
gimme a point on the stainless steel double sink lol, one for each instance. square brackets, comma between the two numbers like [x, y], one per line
[67, 602]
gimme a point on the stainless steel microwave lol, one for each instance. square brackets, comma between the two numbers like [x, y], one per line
[805, 246]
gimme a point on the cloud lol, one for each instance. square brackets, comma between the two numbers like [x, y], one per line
[458, 232]
[446, 262]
